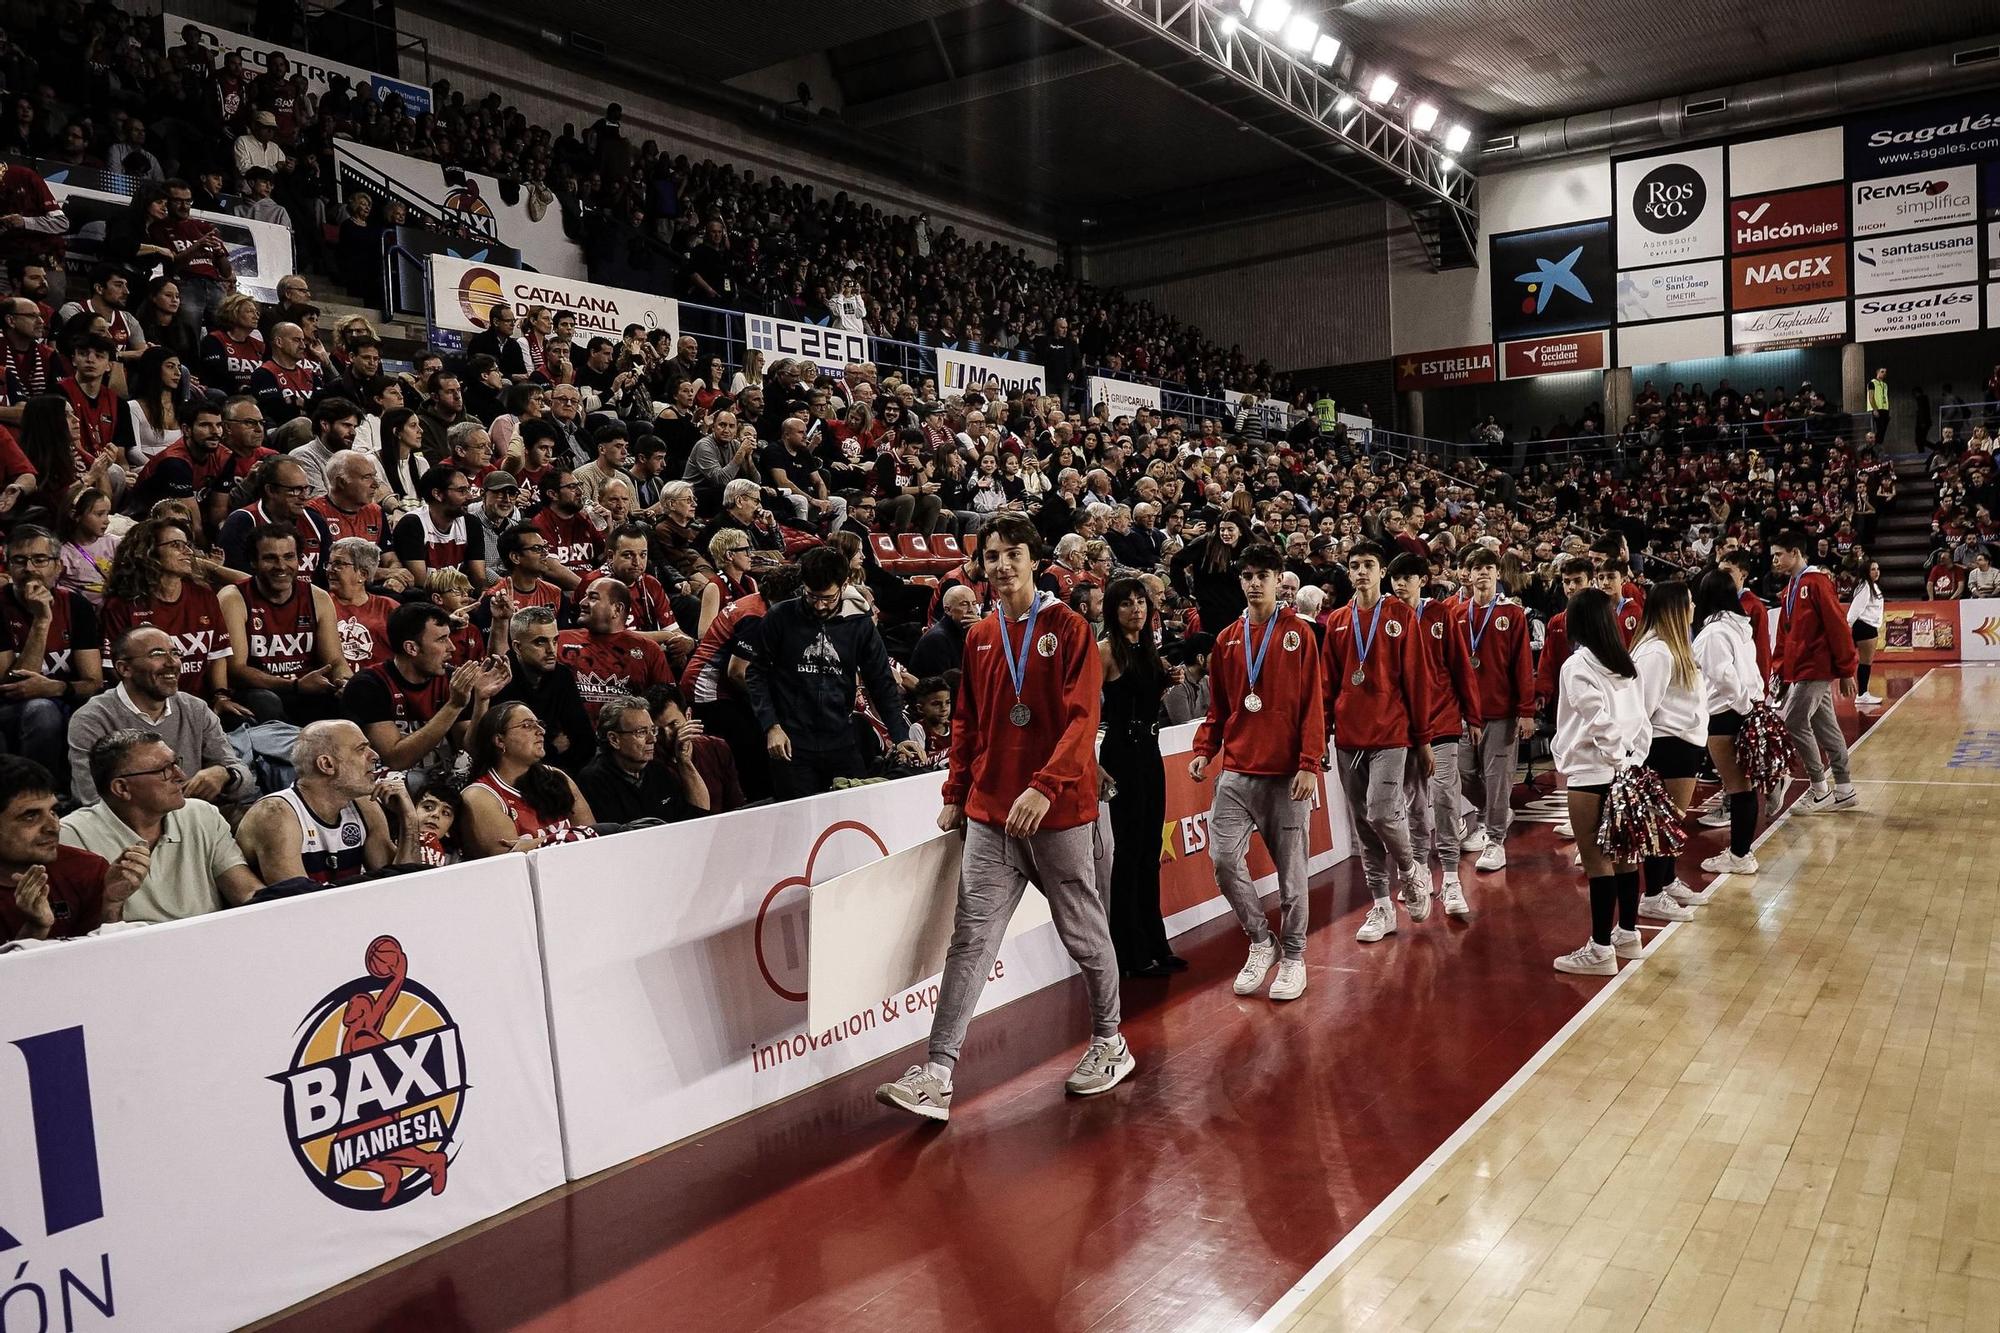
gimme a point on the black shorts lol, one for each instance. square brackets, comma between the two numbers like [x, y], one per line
[1726, 723]
[1864, 632]
[1671, 757]
[1598, 789]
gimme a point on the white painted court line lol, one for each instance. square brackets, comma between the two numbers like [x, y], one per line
[1302, 1290]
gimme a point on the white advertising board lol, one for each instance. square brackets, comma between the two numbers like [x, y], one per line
[825, 346]
[1122, 398]
[462, 292]
[461, 202]
[959, 371]
[1670, 207]
[1672, 292]
[318, 1049]
[1924, 259]
[1936, 198]
[1913, 314]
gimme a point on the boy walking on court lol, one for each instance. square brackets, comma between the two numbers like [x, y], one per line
[1022, 783]
[1815, 649]
[1380, 705]
[1503, 674]
[1267, 721]
[1433, 796]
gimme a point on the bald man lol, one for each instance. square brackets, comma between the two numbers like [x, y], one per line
[328, 826]
[942, 647]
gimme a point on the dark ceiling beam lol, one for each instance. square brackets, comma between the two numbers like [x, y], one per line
[970, 88]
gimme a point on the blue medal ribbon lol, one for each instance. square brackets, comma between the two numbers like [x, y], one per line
[1363, 645]
[1017, 669]
[1254, 666]
[1473, 608]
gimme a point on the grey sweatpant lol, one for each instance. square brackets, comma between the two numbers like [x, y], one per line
[1488, 771]
[1243, 803]
[1433, 805]
[991, 879]
[1815, 730]
[1372, 781]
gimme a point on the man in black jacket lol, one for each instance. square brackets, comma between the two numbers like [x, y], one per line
[942, 647]
[626, 782]
[548, 686]
[802, 678]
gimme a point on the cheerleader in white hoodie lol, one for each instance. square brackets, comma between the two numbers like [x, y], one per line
[1725, 649]
[1864, 617]
[1677, 708]
[1601, 729]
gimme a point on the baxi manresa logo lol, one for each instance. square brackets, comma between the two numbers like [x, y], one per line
[376, 1087]
[1669, 198]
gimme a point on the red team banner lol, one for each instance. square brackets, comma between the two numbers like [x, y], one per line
[1444, 367]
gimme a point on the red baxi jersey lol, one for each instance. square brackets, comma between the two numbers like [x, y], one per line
[575, 540]
[193, 622]
[609, 666]
[72, 625]
[284, 636]
[365, 522]
[1389, 707]
[526, 821]
[98, 416]
[651, 611]
[1286, 733]
[364, 630]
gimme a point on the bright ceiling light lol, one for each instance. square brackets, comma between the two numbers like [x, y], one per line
[1383, 89]
[1247, 6]
[1445, 164]
[1458, 137]
[1326, 49]
[1423, 117]
[1301, 35]
[1271, 14]
[1230, 25]
[1344, 105]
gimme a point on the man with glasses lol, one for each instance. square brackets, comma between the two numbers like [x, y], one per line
[283, 497]
[294, 299]
[29, 366]
[201, 258]
[626, 782]
[149, 698]
[575, 538]
[439, 534]
[194, 865]
[574, 444]
[53, 656]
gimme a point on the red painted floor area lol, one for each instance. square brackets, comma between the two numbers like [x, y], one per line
[1253, 1137]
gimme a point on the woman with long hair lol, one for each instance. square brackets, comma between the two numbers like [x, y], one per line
[1725, 650]
[402, 457]
[153, 580]
[162, 397]
[51, 434]
[1207, 569]
[1601, 730]
[1135, 678]
[1864, 616]
[751, 374]
[158, 314]
[515, 802]
[1677, 710]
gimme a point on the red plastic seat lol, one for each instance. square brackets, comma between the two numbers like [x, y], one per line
[946, 544]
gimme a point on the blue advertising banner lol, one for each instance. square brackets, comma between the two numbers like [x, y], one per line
[1553, 280]
[1929, 134]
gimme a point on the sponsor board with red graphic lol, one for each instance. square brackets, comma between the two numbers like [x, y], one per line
[1787, 219]
[1552, 356]
[1788, 277]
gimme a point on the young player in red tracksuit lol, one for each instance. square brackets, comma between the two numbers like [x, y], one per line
[1379, 700]
[1022, 783]
[1628, 603]
[1576, 576]
[1432, 794]
[1815, 649]
[1503, 671]
[1267, 721]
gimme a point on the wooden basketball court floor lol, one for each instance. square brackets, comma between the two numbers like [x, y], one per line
[1777, 1120]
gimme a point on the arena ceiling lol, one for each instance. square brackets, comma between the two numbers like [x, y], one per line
[997, 102]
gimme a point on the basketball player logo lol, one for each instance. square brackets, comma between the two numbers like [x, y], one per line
[1437, 630]
[1046, 645]
[1393, 630]
[376, 1087]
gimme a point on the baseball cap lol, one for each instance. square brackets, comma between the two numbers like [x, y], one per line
[266, 118]
[500, 480]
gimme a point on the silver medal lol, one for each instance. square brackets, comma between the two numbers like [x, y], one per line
[1475, 661]
[1359, 677]
[1019, 715]
[1253, 703]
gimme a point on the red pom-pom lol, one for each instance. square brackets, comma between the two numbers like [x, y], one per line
[1639, 819]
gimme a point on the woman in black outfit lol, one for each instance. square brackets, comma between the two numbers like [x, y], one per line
[1134, 680]
[1207, 570]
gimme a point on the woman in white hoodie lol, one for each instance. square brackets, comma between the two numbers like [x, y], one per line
[1601, 729]
[1725, 651]
[1677, 708]
[1864, 616]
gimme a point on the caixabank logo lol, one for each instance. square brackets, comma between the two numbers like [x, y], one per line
[376, 1087]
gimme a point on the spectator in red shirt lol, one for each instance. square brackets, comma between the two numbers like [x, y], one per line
[53, 652]
[575, 539]
[32, 224]
[48, 890]
[200, 261]
[610, 660]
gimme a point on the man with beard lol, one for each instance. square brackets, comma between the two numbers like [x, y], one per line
[47, 890]
[439, 534]
[444, 409]
[415, 710]
[284, 636]
[575, 539]
[802, 683]
[329, 826]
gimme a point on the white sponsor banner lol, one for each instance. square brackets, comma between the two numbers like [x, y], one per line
[317, 70]
[1921, 199]
[1907, 314]
[260, 253]
[1926, 259]
[1680, 340]
[462, 202]
[462, 292]
[1793, 326]
[884, 927]
[260, 1041]
[1993, 249]
[676, 961]
[959, 371]
[1979, 629]
[1670, 293]
[825, 346]
[1123, 397]
[1669, 207]
[1763, 165]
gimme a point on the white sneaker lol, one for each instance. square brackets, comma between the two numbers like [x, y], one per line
[1592, 960]
[1716, 818]
[1417, 892]
[1870, 700]
[1846, 798]
[1686, 896]
[1256, 966]
[1103, 1067]
[1815, 801]
[1627, 944]
[1453, 897]
[1291, 982]
[1473, 843]
[919, 1092]
[1659, 907]
[1724, 863]
[1493, 858]
[1563, 830]
[1576, 858]
[1381, 921]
